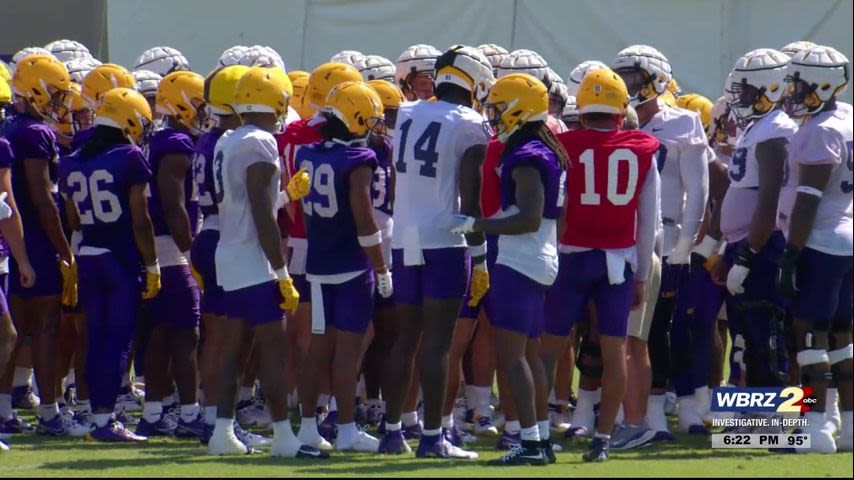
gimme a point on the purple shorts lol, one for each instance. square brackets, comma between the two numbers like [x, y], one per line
[583, 276]
[444, 275]
[517, 302]
[177, 303]
[825, 297]
[349, 306]
[258, 304]
[491, 257]
[45, 262]
[203, 258]
[557, 320]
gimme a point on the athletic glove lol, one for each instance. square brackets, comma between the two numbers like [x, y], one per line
[740, 269]
[462, 224]
[69, 282]
[479, 283]
[787, 282]
[152, 281]
[681, 253]
[298, 186]
[385, 287]
[290, 295]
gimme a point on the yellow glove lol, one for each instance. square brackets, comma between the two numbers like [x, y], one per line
[298, 186]
[479, 283]
[290, 295]
[710, 263]
[198, 276]
[152, 281]
[69, 282]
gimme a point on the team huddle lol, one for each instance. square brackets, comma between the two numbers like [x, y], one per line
[373, 245]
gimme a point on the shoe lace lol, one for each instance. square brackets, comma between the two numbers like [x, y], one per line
[516, 449]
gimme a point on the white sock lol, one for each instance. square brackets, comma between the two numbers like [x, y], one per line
[603, 436]
[101, 419]
[282, 431]
[224, 427]
[293, 399]
[71, 379]
[48, 411]
[552, 397]
[393, 427]
[655, 418]
[84, 406]
[171, 399]
[847, 424]
[448, 421]
[431, 432]
[210, 415]
[333, 405]
[323, 400]
[531, 434]
[152, 411]
[409, 418]
[347, 432]
[5, 406]
[308, 426]
[620, 416]
[189, 412]
[481, 400]
[23, 376]
[545, 432]
[140, 379]
[584, 415]
[512, 427]
[246, 393]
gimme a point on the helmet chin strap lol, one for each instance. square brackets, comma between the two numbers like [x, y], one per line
[635, 103]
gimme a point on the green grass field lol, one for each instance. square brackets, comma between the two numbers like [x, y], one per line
[35, 456]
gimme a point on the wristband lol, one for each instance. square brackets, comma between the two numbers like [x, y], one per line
[154, 268]
[371, 240]
[722, 250]
[282, 274]
[810, 191]
[477, 250]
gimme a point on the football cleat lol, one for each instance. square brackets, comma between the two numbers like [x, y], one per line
[521, 455]
[412, 432]
[14, 425]
[438, 447]
[313, 439]
[374, 415]
[55, 427]
[631, 436]
[393, 443]
[194, 428]
[361, 442]
[549, 449]
[559, 418]
[23, 398]
[113, 431]
[225, 444]
[507, 440]
[597, 451]
[328, 428]
[128, 399]
[249, 439]
[252, 415]
[483, 426]
[163, 427]
[578, 433]
[306, 451]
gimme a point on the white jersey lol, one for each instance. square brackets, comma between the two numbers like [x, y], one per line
[826, 139]
[741, 198]
[683, 163]
[429, 142]
[240, 261]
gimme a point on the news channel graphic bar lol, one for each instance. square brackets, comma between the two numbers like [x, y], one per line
[760, 422]
[762, 400]
[758, 441]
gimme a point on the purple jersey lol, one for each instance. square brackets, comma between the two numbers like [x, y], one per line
[381, 188]
[333, 245]
[6, 157]
[168, 141]
[99, 186]
[203, 171]
[80, 138]
[536, 154]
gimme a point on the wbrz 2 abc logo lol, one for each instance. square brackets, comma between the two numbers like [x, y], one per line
[769, 400]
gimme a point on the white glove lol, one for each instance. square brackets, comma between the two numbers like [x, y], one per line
[735, 279]
[384, 284]
[5, 209]
[282, 199]
[463, 224]
[707, 247]
[682, 253]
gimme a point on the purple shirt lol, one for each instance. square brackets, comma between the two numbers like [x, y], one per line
[169, 141]
[333, 245]
[203, 171]
[533, 153]
[99, 186]
[6, 157]
[381, 188]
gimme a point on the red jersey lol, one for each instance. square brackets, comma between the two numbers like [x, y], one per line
[607, 170]
[297, 133]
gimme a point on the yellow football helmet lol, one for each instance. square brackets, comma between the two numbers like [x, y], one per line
[104, 78]
[673, 88]
[513, 101]
[5, 72]
[390, 94]
[181, 95]
[76, 115]
[263, 90]
[602, 91]
[323, 79]
[5, 91]
[295, 74]
[220, 86]
[299, 80]
[357, 105]
[127, 110]
[43, 82]
[697, 103]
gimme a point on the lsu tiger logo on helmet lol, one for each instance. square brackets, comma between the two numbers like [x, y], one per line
[757, 83]
[814, 77]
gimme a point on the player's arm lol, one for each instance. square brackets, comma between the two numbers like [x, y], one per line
[530, 199]
[771, 156]
[11, 227]
[40, 187]
[648, 217]
[143, 229]
[718, 186]
[259, 177]
[170, 180]
[471, 178]
[370, 237]
[694, 170]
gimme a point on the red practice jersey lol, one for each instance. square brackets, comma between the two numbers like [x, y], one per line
[604, 180]
[296, 134]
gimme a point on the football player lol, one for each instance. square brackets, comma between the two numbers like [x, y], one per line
[616, 200]
[258, 289]
[439, 148]
[495, 54]
[40, 82]
[749, 213]
[174, 311]
[531, 169]
[416, 70]
[682, 162]
[105, 183]
[817, 263]
[375, 67]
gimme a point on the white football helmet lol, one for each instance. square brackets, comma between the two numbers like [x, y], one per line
[162, 61]
[67, 50]
[232, 56]
[262, 56]
[78, 68]
[558, 92]
[570, 111]
[17, 57]
[577, 74]
[416, 60]
[476, 71]
[525, 61]
[815, 76]
[350, 57]
[146, 81]
[757, 83]
[495, 54]
[652, 64]
[375, 67]
[792, 48]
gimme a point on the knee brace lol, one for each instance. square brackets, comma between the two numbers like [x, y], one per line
[839, 369]
[810, 361]
[589, 359]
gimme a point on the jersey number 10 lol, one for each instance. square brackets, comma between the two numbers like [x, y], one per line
[615, 160]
